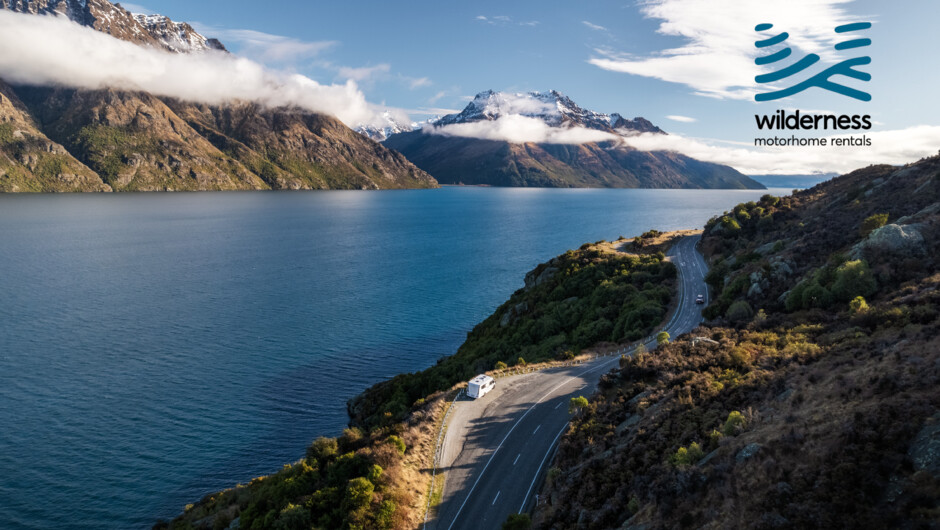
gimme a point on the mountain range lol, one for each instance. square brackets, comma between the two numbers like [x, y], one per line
[109, 139]
[459, 159]
[62, 139]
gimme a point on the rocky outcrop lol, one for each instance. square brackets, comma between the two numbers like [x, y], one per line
[893, 239]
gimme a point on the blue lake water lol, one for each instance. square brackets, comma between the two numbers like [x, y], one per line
[156, 347]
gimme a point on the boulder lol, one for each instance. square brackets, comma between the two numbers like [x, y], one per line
[904, 240]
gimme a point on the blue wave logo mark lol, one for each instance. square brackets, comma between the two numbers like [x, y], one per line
[822, 79]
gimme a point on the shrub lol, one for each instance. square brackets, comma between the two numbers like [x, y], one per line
[577, 403]
[858, 305]
[853, 278]
[322, 449]
[520, 361]
[769, 200]
[398, 443]
[500, 365]
[739, 311]
[872, 223]
[634, 505]
[662, 338]
[734, 424]
[688, 457]
[518, 521]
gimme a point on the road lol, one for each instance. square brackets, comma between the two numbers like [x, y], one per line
[497, 448]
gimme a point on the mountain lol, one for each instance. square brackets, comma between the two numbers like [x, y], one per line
[809, 400]
[462, 160]
[793, 181]
[61, 139]
[391, 126]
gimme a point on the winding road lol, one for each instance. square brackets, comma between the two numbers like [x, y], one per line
[497, 448]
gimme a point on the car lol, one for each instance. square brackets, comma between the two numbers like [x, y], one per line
[700, 299]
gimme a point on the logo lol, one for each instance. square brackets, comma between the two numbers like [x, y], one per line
[822, 79]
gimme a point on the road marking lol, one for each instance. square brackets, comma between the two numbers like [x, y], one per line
[558, 405]
[496, 497]
[539, 470]
[669, 325]
[526, 413]
[536, 429]
[517, 459]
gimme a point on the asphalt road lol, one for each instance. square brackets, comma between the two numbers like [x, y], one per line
[497, 448]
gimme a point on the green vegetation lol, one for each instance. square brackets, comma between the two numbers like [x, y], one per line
[345, 482]
[574, 301]
[662, 338]
[734, 424]
[517, 521]
[576, 404]
[872, 223]
[687, 456]
[858, 305]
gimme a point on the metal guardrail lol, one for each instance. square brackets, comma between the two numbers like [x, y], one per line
[438, 453]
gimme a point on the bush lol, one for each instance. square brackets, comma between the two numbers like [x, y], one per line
[662, 338]
[858, 305]
[734, 424]
[398, 443]
[688, 457]
[577, 403]
[739, 311]
[322, 449]
[853, 278]
[500, 365]
[518, 521]
[872, 223]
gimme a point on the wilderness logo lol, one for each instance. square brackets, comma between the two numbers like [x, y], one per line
[823, 79]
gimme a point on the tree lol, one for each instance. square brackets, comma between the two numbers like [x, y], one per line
[577, 404]
[518, 521]
[739, 311]
[662, 338]
[872, 223]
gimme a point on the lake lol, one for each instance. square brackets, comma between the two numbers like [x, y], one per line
[157, 347]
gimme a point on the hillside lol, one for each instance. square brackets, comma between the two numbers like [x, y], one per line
[119, 140]
[809, 401]
[454, 159]
[376, 475]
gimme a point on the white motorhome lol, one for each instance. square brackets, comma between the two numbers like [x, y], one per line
[480, 385]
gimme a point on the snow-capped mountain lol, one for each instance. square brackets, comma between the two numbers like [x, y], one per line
[552, 107]
[176, 36]
[149, 30]
[391, 126]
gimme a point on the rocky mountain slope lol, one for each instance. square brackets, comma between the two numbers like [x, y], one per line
[462, 160]
[134, 141]
[808, 401]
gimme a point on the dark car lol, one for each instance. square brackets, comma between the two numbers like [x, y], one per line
[699, 299]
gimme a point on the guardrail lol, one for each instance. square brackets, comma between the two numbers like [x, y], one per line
[438, 453]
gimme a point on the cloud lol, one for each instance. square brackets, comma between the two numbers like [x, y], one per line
[717, 59]
[56, 51]
[595, 27]
[888, 147]
[518, 129]
[138, 9]
[419, 82]
[364, 73]
[683, 119]
[266, 47]
[503, 20]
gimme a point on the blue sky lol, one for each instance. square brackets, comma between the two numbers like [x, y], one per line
[427, 56]
[686, 65]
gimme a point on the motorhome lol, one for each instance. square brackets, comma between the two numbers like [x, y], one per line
[480, 385]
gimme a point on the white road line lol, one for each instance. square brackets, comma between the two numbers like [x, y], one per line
[537, 429]
[558, 405]
[539, 470]
[526, 413]
[517, 459]
[496, 497]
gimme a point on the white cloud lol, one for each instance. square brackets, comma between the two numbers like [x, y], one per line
[56, 51]
[683, 119]
[266, 47]
[503, 19]
[717, 59]
[518, 129]
[364, 73]
[888, 147]
[595, 27]
[137, 9]
[419, 82]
